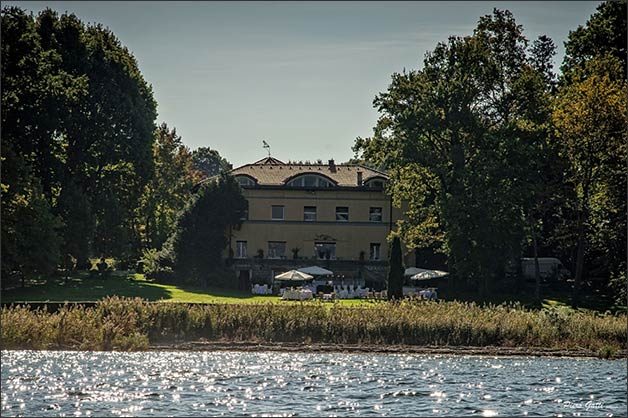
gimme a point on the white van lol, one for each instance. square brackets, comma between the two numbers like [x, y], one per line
[549, 268]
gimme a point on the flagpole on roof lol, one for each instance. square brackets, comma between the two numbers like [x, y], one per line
[266, 146]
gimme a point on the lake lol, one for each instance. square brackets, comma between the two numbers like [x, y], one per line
[182, 383]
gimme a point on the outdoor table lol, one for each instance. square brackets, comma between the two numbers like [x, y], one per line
[297, 294]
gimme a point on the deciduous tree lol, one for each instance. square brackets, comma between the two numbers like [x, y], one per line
[462, 130]
[169, 188]
[209, 162]
[590, 117]
[195, 249]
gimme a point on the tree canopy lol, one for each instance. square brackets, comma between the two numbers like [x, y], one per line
[456, 137]
[77, 118]
[169, 187]
[605, 33]
[209, 162]
[196, 247]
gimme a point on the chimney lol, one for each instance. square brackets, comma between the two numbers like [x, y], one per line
[332, 165]
[359, 178]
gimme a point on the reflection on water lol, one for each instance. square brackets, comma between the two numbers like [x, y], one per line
[63, 383]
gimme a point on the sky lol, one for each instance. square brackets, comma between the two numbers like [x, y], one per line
[300, 75]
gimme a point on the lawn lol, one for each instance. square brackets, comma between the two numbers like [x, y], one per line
[84, 288]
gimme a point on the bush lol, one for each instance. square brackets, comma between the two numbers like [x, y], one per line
[164, 276]
[619, 284]
[150, 261]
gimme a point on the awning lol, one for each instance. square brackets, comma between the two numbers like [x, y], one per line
[411, 271]
[429, 274]
[316, 271]
[293, 275]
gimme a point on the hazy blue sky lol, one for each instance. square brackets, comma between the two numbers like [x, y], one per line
[300, 75]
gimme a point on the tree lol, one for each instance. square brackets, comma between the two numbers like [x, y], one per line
[590, 118]
[196, 247]
[595, 63]
[77, 112]
[79, 225]
[209, 162]
[36, 91]
[395, 271]
[604, 33]
[30, 239]
[169, 188]
[461, 132]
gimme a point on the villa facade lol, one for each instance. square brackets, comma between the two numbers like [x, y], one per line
[334, 215]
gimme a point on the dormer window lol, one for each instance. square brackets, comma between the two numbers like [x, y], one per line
[375, 183]
[310, 180]
[245, 181]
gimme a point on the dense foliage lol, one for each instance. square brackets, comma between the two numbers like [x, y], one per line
[458, 137]
[85, 173]
[196, 247]
[496, 156]
[498, 160]
[208, 162]
[169, 187]
[77, 130]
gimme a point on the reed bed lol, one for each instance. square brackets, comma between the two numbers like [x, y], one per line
[133, 324]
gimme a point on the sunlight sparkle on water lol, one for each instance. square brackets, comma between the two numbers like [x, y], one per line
[42, 383]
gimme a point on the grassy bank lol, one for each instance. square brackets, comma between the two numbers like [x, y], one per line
[134, 324]
[83, 287]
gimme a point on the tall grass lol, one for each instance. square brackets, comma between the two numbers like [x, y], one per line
[133, 324]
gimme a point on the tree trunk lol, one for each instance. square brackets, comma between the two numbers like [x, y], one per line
[537, 270]
[581, 242]
[579, 263]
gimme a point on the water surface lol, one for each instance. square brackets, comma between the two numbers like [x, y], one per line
[176, 383]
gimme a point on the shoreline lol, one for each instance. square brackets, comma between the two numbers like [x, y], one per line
[246, 346]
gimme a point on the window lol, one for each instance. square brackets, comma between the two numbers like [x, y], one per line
[375, 214]
[342, 213]
[277, 213]
[276, 249]
[310, 180]
[375, 251]
[241, 249]
[375, 184]
[325, 250]
[309, 213]
[245, 181]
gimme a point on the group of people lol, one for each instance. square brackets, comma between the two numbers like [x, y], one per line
[309, 291]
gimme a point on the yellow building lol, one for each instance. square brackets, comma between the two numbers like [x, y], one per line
[299, 215]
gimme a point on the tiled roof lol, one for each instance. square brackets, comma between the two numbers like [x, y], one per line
[272, 172]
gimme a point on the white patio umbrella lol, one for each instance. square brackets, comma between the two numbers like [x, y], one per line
[316, 271]
[429, 274]
[411, 271]
[293, 275]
